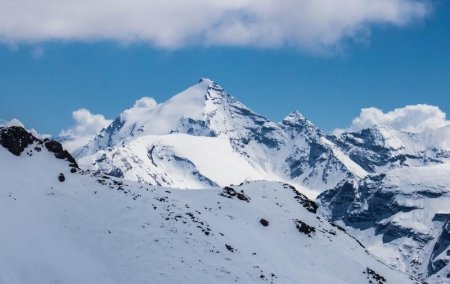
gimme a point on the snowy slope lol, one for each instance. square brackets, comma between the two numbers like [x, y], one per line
[401, 216]
[176, 160]
[293, 150]
[97, 229]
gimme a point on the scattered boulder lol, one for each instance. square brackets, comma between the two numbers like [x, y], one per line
[308, 204]
[304, 228]
[230, 248]
[372, 275]
[229, 192]
[61, 177]
[264, 222]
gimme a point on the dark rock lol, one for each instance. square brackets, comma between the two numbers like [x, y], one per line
[229, 192]
[230, 248]
[116, 172]
[346, 199]
[264, 136]
[372, 275]
[315, 153]
[308, 204]
[264, 222]
[61, 177]
[56, 148]
[393, 231]
[304, 228]
[15, 139]
[442, 244]
[338, 227]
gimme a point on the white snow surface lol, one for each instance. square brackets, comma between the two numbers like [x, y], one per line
[141, 120]
[213, 157]
[91, 229]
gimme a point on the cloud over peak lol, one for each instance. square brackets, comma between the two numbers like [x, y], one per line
[412, 118]
[427, 120]
[145, 102]
[87, 125]
[308, 24]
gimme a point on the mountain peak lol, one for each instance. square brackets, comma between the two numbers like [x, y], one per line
[209, 85]
[205, 80]
[297, 122]
[295, 117]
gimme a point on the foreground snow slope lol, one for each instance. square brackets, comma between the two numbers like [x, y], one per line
[78, 228]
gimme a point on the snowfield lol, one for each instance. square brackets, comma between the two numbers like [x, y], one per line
[213, 157]
[99, 229]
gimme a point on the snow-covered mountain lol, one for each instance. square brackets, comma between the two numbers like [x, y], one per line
[402, 216]
[400, 210]
[64, 225]
[388, 188]
[204, 137]
[381, 148]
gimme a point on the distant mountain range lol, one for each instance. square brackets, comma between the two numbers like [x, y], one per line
[204, 137]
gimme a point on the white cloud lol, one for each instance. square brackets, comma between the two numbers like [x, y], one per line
[87, 125]
[145, 102]
[310, 24]
[429, 121]
[411, 118]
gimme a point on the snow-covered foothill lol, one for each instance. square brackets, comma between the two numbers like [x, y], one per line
[64, 225]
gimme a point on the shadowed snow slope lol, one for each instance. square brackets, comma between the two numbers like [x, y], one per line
[63, 225]
[402, 216]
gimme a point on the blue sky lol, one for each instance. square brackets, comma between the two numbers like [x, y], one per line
[42, 82]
